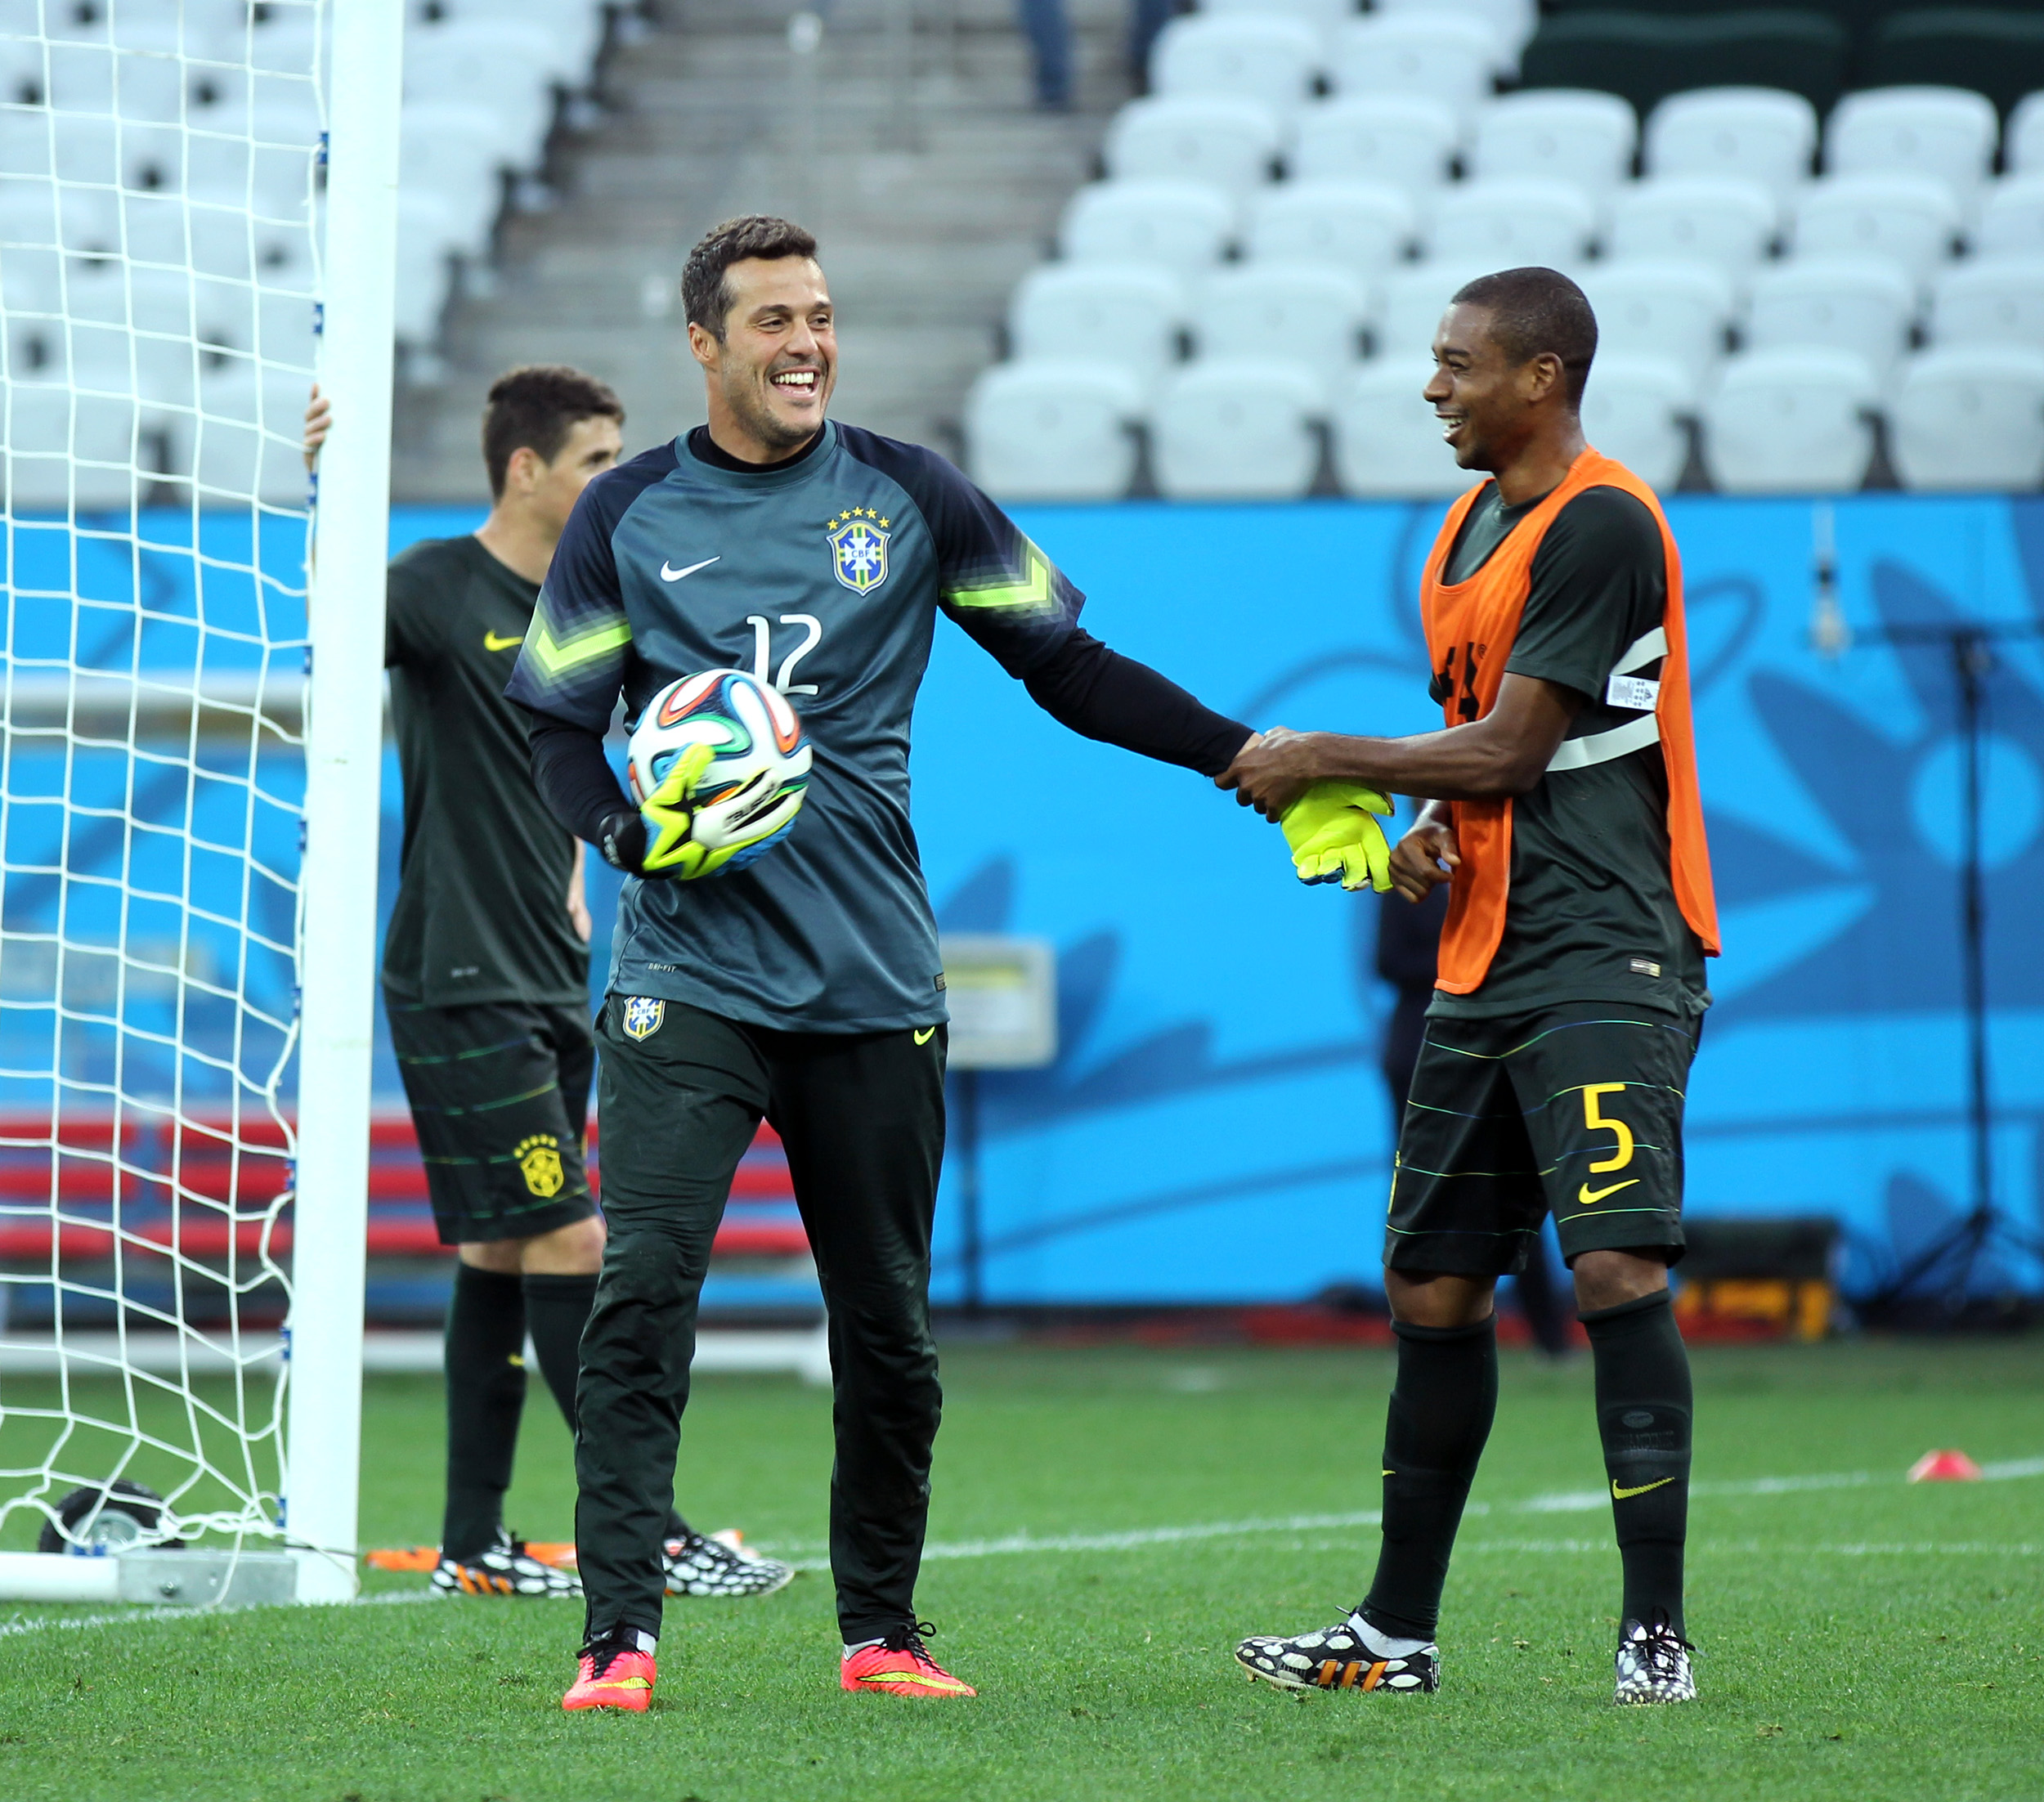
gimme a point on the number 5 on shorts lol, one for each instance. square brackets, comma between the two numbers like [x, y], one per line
[1597, 1121]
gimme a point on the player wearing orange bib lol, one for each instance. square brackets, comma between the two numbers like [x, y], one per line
[1570, 992]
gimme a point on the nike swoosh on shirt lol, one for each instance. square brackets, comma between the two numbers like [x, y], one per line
[669, 573]
[1586, 1196]
[1619, 1494]
[493, 642]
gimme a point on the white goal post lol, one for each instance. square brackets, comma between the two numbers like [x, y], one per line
[188, 828]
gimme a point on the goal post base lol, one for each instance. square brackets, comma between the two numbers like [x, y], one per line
[175, 1579]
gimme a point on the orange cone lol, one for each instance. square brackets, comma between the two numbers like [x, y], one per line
[1944, 1467]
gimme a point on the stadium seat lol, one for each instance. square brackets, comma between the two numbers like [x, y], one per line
[1271, 60]
[1183, 226]
[498, 65]
[1861, 305]
[1942, 132]
[245, 437]
[1511, 21]
[1634, 409]
[1415, 297]
[1126, 314]
[1323, 15]
[1678, 310]
[1365, 226]
[1790, 422]
[1407, 140]
[1310, 315]
[1565, 135]
[447, 150]
[1053, 430]
[2009, 220]
[1442, 56]
[1236, 428]
[574, 29]
[1229, 144]
[67, 447]
[1997, 52]
[1645, 58]
[1513, 220]
[1761, 134]
[1725, 220]
[1912, 219]
[2023, 138]
[1386, 440]
[1989, 300]
[1970, 416]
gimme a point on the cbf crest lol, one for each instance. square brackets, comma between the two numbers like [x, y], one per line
[642, 1015]
[858, 548]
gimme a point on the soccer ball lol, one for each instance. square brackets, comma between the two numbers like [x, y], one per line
[746, 801]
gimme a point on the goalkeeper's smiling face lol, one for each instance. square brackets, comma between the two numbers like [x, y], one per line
[771, 372]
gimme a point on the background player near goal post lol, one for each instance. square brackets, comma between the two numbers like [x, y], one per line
[486, 982]
[1570, 990]
[806, 987]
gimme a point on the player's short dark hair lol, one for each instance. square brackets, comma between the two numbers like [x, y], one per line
[535, 408]
[706, 296]
[1535, 312]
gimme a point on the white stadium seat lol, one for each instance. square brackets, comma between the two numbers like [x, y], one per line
[1236, 428]
[1678, 310]
[1270, 59]
[1228, 143]
[429, 232]
[1790, 422]
[1183, 225]
[1446, 55]
[574, 27]
[448, 150]
[1970, 417]
[1856, 304]
[1386, 440]
[1323, 15]
[1308, 314]
[1761, 133]
[1407, 140]
[1053, 430]
[1512, 221]
[1725, 220]
[1126, 314]
[498, 65]
[1989, 300]
[1634, 409]
[1415, 297]
[1910, 219]
[2010, 218]
[1511, 21]
[1364, 226]
[245, 437]
[2023, 137]
[1563, 133]
[1947, 133]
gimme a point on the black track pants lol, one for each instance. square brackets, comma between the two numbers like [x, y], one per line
[681, 1092]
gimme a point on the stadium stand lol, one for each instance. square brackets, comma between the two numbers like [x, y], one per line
[1737, 189]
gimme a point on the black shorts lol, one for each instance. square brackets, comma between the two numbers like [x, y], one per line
[1575, 1110]
[500, 1097]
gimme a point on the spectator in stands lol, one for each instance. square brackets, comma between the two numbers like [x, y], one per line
[1049, 28]
[1408, 946]
[485, 979]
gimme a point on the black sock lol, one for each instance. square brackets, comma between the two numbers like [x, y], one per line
[486, 1394]
[556, 1310]
[1441, 1412]
[1643, 1404]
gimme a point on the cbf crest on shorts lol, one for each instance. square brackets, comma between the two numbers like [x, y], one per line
[858, 548]
[642, 1015]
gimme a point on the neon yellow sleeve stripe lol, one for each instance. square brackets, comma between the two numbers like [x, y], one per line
[1031, 596]
[557, 658]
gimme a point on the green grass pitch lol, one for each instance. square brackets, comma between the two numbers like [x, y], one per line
[1866, 1640]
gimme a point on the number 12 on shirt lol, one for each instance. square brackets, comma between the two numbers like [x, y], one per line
[763, 655]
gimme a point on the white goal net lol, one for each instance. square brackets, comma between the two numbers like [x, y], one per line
[162, 183]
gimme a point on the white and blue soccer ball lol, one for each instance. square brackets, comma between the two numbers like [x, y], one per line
[746, 801]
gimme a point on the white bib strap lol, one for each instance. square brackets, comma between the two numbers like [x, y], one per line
[1623, 690]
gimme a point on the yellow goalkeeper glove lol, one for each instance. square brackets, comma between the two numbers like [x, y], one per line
[1334, 839]
[685, 839]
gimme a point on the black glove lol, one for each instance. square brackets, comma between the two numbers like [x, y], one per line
[622, 841]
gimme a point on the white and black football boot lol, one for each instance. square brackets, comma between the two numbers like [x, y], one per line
[1337, 1657]
[1653, 1664]
[720, 1565]
[504, 1569]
